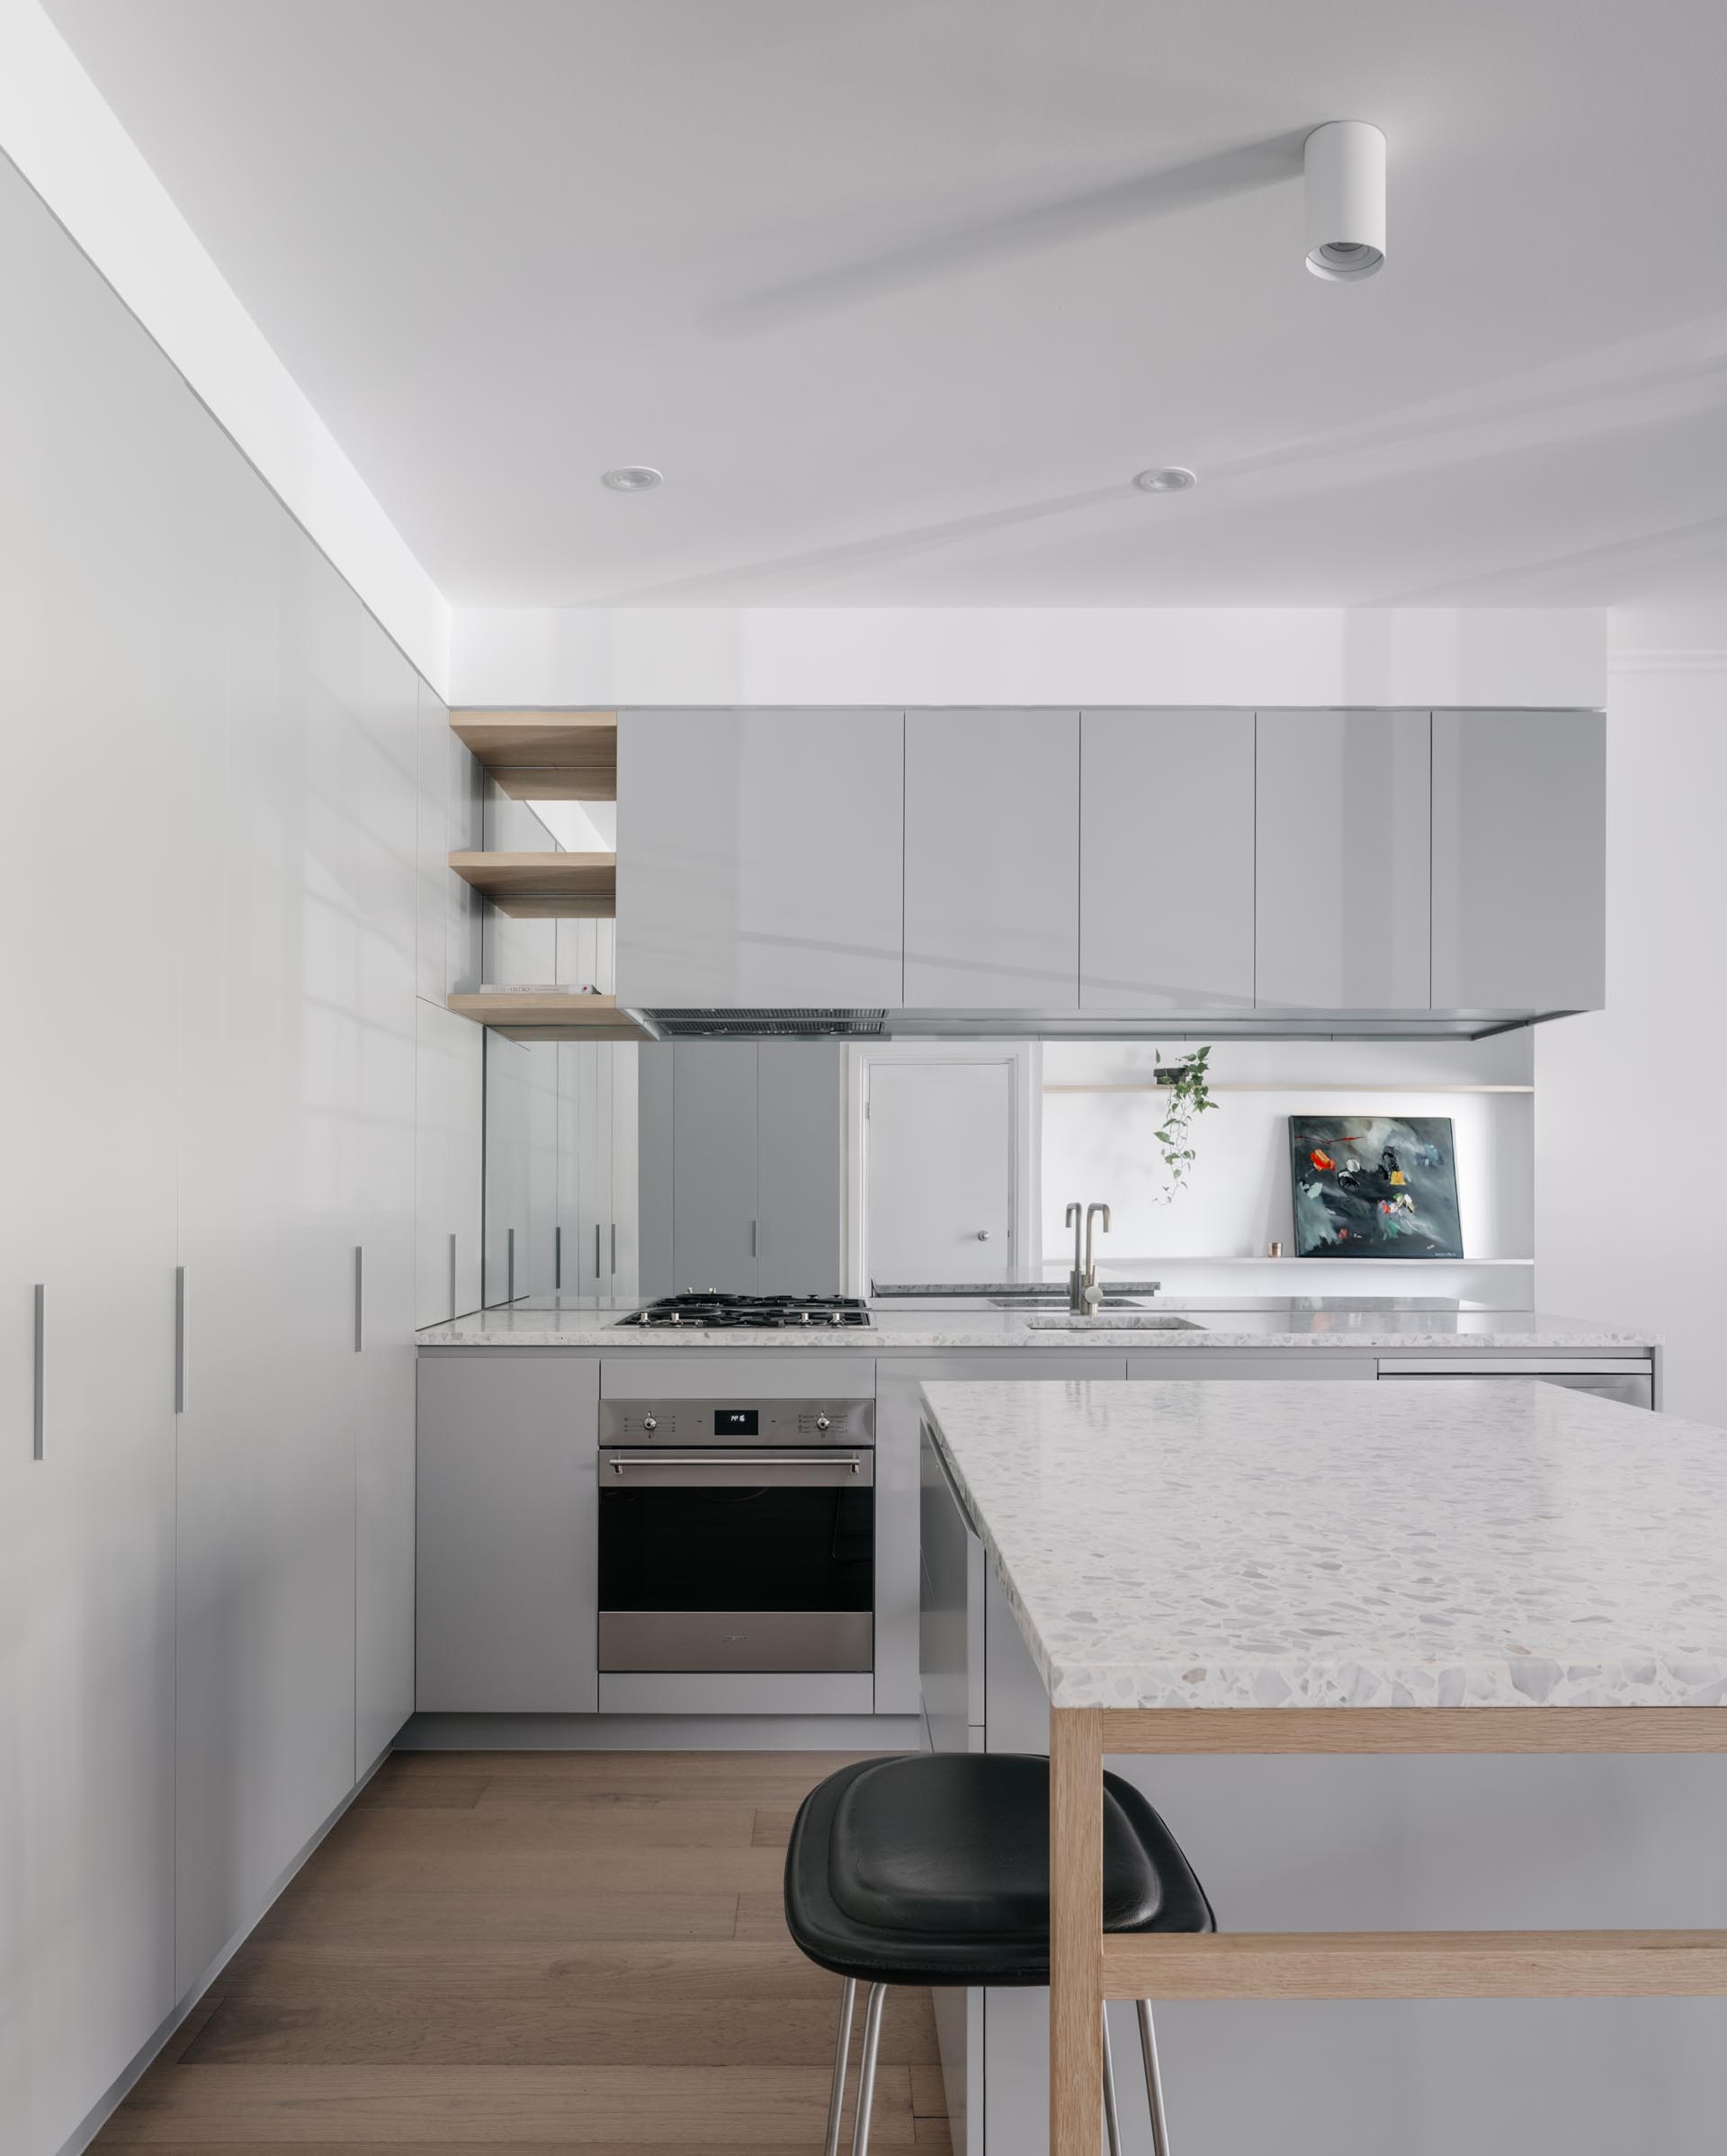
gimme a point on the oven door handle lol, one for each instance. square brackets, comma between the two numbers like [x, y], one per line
[786, 1470]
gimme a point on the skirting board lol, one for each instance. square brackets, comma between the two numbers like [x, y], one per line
[107, 2104]
[662, 1733]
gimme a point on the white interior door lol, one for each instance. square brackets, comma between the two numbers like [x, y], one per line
[939, 1152]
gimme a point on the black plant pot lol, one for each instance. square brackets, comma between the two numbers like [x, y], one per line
[1171, 1074]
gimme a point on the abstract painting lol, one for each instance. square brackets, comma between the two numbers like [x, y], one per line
[1375, 1186]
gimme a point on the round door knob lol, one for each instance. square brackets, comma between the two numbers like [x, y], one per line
[650, 1422]
[823, 1423]
[983, 1235]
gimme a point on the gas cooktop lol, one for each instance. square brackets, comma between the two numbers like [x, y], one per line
[762, 1313]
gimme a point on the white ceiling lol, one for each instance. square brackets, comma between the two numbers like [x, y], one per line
[899, 293]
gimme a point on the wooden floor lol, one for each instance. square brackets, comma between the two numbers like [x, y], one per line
[540, 1951]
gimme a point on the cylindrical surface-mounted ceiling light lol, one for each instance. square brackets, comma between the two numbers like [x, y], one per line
[1344, 165]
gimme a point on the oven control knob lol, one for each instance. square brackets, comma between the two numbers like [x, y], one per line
[650, 1422]
[823, 1422]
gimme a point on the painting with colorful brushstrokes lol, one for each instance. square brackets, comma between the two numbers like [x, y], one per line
[1375, 1186]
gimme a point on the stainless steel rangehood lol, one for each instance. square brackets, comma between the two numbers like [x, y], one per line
[1108, 875]
[812, 1025]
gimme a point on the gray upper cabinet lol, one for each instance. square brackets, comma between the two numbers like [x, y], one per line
[1165, 860]
[1342, 898]
[992, 859]
[759, 858]
[1519, 838]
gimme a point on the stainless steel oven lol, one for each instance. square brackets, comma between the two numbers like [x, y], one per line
[737, 1536]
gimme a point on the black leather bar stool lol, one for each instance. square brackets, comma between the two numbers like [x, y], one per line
[935, 1870]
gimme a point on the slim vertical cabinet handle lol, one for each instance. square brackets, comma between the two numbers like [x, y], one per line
[752, 1238]
[179, 1339]
[359, 1297]
[39, 1367]
[509, 1282]
[452, 1277]
[596, 1249]
[615, 1249]
[557, 1258]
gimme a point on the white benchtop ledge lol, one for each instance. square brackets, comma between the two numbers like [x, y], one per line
[895, 1326]
[1452, 1544]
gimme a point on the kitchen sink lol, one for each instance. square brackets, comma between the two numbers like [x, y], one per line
[1132, 1319]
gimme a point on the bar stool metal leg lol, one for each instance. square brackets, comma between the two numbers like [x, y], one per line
[1153, 2079]
[842, 2052]
[866, 2071]
[1111, 2115]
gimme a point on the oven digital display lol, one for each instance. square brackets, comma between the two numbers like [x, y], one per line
[737, 1422]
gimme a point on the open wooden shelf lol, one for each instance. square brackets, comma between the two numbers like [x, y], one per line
[544, 886]
[545, 756]
[548, 1014]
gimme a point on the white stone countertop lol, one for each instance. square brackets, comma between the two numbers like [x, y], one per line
[953, 1324]
[1455, 1542]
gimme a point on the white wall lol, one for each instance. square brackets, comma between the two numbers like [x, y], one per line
[1628, 1204]
[1100, 1144]
[66, 142]
[1029, 654]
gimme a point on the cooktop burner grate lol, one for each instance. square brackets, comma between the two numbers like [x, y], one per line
[763, 1313]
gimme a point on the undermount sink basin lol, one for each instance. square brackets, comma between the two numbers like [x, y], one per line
[1132, 1318]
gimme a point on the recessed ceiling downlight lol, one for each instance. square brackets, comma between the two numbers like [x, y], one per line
[1165, 478]
[631, 478]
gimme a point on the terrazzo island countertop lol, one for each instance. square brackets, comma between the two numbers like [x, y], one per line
[1361, 1325]
[1460, 1543]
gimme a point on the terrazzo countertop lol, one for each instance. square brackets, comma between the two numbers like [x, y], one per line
[1360, 1325]
[1453, 1544]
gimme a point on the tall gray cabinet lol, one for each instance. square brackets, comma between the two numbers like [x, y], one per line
[206, 1446]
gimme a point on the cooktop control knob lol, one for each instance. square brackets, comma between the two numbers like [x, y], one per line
[823, 1423]
[650, 1422]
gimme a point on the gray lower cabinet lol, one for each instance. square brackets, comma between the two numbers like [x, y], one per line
[1165, 860]
[508, 1552]
[763, 858]
[1342, 907]
[1519, 853]
[992, 859]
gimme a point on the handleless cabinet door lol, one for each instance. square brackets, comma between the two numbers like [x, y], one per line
[713, 1166]
[508, 1557]
[759, 858]
[1342, 903]
[1519, 851]
[992, 859]
[800, 1173]
[1165, 860]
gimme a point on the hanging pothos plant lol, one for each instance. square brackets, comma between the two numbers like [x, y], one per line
[1190, 1097]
